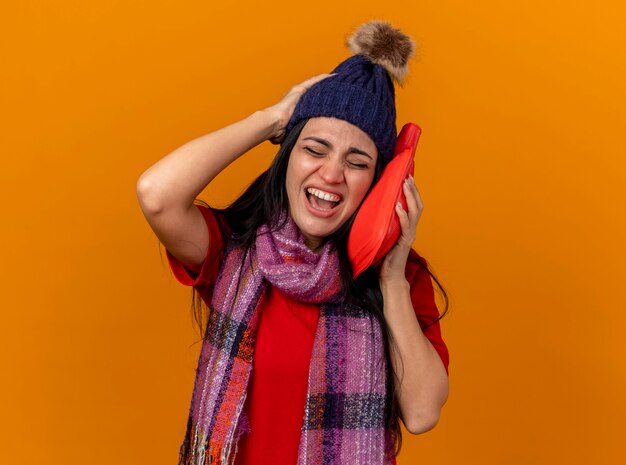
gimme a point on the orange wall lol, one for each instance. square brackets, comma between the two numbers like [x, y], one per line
[521, 167]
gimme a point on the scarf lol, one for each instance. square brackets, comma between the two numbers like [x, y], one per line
[344, 411]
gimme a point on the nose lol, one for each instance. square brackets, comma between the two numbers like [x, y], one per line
[331, 171]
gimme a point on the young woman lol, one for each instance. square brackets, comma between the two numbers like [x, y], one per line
[300, 363]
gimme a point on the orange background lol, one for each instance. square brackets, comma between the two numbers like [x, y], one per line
[521, 167]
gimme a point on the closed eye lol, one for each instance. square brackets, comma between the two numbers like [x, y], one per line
[312, 151]
[352, 164]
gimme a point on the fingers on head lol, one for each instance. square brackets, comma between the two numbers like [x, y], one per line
[309, 82]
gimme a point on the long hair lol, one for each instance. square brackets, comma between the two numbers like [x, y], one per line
[263, 202]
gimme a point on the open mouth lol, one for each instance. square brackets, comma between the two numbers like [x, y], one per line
[320, 200]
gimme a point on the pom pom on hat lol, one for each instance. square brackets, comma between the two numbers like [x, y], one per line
[385, 45]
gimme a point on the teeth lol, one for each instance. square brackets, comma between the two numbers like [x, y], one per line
[323, 195]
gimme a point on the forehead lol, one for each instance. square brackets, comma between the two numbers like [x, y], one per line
[338, 132]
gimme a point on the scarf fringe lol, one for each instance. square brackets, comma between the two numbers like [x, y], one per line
[207, 454]
[218, 454]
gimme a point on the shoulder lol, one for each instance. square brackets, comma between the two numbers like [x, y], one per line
[215, 218]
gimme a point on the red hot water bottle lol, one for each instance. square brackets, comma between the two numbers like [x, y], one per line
[376, 227]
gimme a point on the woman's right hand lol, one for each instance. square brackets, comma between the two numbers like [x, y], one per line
[283, 110]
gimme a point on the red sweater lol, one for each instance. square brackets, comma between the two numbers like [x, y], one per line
[284, 342]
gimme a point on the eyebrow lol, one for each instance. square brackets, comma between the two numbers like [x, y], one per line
[329, 145]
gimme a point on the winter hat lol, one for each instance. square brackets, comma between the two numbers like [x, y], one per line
[362, 92]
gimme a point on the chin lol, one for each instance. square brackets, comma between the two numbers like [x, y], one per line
[315, 232]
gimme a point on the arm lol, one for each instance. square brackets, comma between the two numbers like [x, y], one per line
[423, 388]
[424, 383]
[178, 178]
[167, 190]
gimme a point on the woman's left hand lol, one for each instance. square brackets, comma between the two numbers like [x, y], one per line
[393, 267]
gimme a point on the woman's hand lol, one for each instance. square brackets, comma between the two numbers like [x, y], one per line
[393, 267]
[283, 110]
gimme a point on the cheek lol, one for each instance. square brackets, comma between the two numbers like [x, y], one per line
[290, 188]
[361, 186]
[290, 174]
[293, 180]
[298, 169]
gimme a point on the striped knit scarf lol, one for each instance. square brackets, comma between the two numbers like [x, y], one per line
[344, 412]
